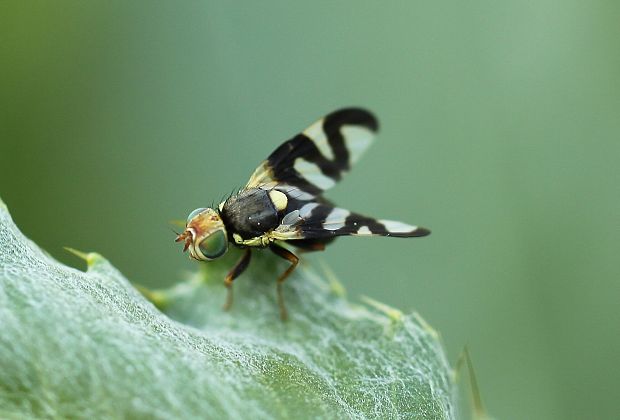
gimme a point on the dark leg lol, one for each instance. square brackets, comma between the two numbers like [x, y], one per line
[318, 246]
[293, 259]
[239, 268]
[309, 245]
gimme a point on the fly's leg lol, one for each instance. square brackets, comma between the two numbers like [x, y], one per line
[310, 245]
[318, 246]
[293, 259]
[239, 268]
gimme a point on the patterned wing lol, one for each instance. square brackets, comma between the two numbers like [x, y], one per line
[319, 220]
[315, 160]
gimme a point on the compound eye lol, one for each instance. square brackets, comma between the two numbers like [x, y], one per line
[195, 213]
[214, 245]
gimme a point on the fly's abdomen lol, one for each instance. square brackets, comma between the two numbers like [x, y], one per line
[251, 213]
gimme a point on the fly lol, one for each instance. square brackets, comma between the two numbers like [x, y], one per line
[283, 201]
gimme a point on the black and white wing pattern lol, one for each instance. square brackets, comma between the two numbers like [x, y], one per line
[312, 162]
[322, 221]
[315, 160]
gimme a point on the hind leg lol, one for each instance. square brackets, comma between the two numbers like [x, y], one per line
[293, 259]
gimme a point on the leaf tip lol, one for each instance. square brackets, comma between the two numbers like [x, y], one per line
[90, 257]
[335, 286]
[177, 222]
[426, 326]
[156, 297]
[393, 313]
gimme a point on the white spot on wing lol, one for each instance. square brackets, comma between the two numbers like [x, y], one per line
[312, 173]
[316, 133]
[363, 230]
[294, 192]
[305, 211]
[291, 218]
[357, 140]
[397, 227]
[335, 220]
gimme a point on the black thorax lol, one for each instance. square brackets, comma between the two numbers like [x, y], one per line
[250, 213]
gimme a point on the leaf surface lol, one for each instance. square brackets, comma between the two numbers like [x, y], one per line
[88, 344]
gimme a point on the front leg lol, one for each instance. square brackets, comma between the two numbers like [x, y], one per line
[293, 259]
[239, 268]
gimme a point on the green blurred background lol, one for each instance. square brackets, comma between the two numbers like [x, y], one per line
[500, 131]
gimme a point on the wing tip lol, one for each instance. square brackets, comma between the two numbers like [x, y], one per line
[403, 230]
[420, 231]
[355, 115]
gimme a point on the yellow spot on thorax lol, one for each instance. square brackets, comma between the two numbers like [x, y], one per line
[279, 200]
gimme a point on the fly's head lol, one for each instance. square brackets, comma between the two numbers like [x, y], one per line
[204, 235]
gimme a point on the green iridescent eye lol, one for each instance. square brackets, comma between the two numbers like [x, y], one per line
[214, 245]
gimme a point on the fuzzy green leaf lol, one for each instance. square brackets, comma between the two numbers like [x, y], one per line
[89, 345]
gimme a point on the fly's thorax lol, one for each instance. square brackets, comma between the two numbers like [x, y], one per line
[252, 212]
[205, 234]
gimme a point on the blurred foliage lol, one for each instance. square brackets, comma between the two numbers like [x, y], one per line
[500, 132]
